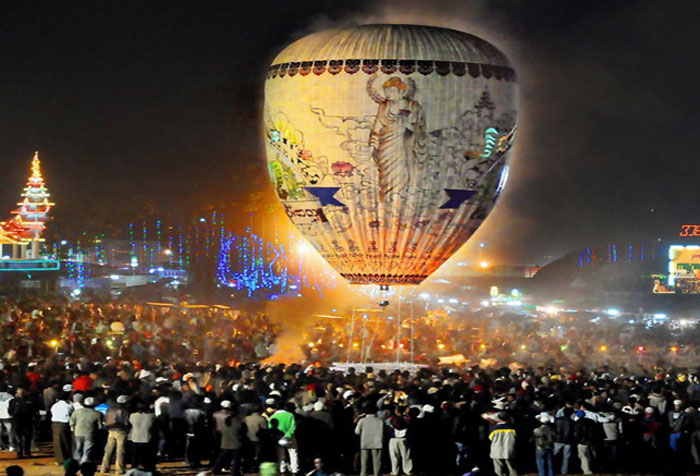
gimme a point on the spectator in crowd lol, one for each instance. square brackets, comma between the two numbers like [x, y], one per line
[6, 426]
[543, 437]
[370, 428]
[399, 452]
[502, 437]
[584, 434]
[61, 412]
[117, 425]
[288, 455]
[142, 423]
[564, 437]
[233, 432]
[255, 423]
[85, 422]
[24, 412]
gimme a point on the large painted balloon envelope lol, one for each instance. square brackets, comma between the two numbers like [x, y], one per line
[387, 144]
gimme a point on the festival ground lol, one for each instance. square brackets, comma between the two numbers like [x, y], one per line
[44, 465]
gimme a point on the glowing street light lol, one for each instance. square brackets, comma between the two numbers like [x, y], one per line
[302, 248]
[484, 264]
[603, 348]
[167, 252]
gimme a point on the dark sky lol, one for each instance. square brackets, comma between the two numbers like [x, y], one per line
[150, 106]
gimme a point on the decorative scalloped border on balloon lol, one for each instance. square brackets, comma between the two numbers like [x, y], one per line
[390, 66]
[360, 278]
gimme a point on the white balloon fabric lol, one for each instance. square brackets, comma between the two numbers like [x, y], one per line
[386, 144]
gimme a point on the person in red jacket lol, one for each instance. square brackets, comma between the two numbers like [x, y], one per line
[83, 383]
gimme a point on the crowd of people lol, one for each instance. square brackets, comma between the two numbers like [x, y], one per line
[250, 418]
[117, 386]
[501, 336]
[34, 328]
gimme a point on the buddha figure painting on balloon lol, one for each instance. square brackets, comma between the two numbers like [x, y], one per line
[388, 166]
[397, 138]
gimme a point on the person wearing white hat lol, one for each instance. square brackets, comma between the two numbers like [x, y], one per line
[85, 422]
[544, 445]
[231, 444]
[117, 427]
[220, 417]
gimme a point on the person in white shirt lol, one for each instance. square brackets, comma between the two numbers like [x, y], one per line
[60, 427]
[6, 419]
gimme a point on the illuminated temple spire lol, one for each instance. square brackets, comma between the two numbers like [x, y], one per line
[34, 208]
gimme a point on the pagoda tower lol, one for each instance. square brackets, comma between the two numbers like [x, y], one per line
[33, 211]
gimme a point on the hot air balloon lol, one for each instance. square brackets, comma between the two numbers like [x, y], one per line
[386, 144]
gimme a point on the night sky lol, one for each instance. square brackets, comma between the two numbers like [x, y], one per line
[153, 107]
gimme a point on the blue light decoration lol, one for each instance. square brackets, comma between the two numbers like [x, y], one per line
[132, 243]
[250, 263]
[77, 269]
[144, 247]
[637, 252]
[612, 253]
[256, 265]
[159, 246]
[180, 248]
[81, 272]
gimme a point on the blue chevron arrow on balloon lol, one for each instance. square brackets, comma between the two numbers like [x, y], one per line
[457, 197]
[325, 195]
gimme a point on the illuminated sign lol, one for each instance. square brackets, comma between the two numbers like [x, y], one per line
[683, 269]
[30, 265]
[689, 230]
